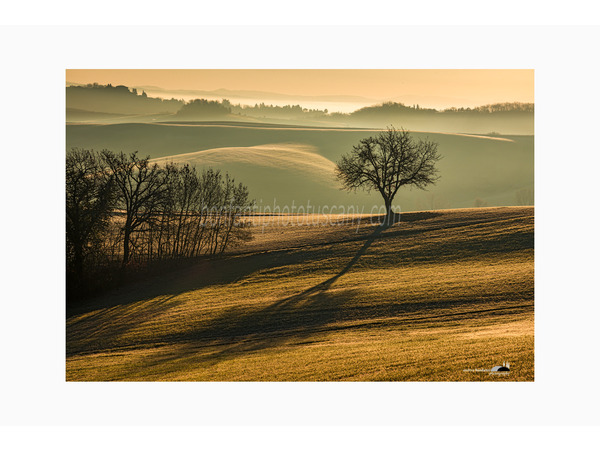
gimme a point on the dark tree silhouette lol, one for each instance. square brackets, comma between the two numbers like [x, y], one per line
[89, 202]
[122, 210]
[142, 188]
[387, 162]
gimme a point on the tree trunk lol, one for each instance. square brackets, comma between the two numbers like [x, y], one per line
[388, 210]
[126, 246]
[78, 262]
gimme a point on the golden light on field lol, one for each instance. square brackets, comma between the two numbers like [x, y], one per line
[438, 294]
[256, 255]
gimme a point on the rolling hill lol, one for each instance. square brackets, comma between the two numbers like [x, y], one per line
[436, 296]
[294, 164]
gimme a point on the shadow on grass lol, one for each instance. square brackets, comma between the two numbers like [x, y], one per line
[322, 287]
[108, 323]
[321, 308]
[240, 331]
[203, 272]
[300, 320]
[245, 329]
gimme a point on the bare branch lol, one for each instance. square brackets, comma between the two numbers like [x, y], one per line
[387, 162]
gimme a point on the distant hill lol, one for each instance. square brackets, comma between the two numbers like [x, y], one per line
[74, 114]
[248, 94]
[284, 164]
[503, 118]
[117, 100]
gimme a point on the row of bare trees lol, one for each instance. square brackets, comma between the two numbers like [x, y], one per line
[124, 211]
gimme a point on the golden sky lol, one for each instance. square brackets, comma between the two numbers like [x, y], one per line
[453, 86]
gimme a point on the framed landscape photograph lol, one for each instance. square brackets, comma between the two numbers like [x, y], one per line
[299, 225]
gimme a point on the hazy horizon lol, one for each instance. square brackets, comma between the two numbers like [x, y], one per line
[335, 90]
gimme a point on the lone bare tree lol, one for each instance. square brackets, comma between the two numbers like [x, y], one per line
[387, 162]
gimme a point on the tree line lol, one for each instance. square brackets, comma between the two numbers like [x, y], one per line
[118, 100]
[121, 99]
[388, 108]
[509, 107]
[124, 213]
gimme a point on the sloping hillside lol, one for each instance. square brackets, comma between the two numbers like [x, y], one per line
[434, 297]
[487, 169]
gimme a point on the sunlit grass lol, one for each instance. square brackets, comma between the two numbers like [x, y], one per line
[433, 295]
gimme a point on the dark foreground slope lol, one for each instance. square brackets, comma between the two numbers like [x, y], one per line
[434, 297]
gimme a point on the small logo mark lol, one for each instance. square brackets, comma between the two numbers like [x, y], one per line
[504, 369]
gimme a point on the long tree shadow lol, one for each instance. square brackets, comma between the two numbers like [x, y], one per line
[106, 320]
[295, 318]
[206, 271]
[245, 328]
[240, 331]
[202, 272]
[325, 285]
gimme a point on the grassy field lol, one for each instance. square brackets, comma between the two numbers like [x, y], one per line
[284, 164]
[332, 298]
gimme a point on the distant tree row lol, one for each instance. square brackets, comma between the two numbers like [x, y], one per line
[123, 211]
[118, 99]
[121, 99]
[202, 108]
[390, 108]
[207, 107]
[287, 111]
[497, 108]
[400, 108]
